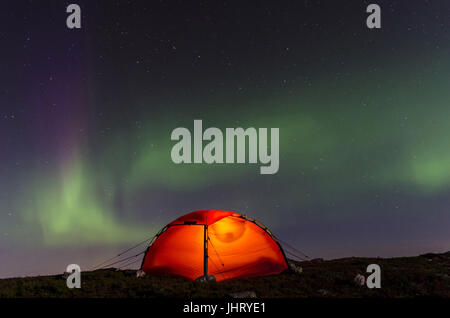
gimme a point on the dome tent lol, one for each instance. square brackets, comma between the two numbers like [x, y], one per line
[213, 244]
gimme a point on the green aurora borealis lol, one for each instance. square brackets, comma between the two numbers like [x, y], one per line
[347, 149]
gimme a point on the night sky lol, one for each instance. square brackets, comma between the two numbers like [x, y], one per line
[86, 117]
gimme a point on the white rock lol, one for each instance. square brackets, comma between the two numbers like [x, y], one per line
[359, 280]
[140, 273]
[295, 268]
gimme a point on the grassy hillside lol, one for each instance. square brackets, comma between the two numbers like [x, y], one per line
[425, 275]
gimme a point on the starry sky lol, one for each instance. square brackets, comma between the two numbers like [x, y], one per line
[86, 117]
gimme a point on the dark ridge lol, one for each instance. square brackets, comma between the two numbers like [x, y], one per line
[427, 275]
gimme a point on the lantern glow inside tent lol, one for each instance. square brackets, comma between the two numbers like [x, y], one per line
[208, 243]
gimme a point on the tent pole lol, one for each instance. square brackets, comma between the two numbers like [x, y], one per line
[205, 249]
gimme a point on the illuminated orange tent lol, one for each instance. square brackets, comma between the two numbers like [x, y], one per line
[214, 244]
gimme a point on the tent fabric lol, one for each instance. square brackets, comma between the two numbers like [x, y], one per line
[203, 217]
[236, 248]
